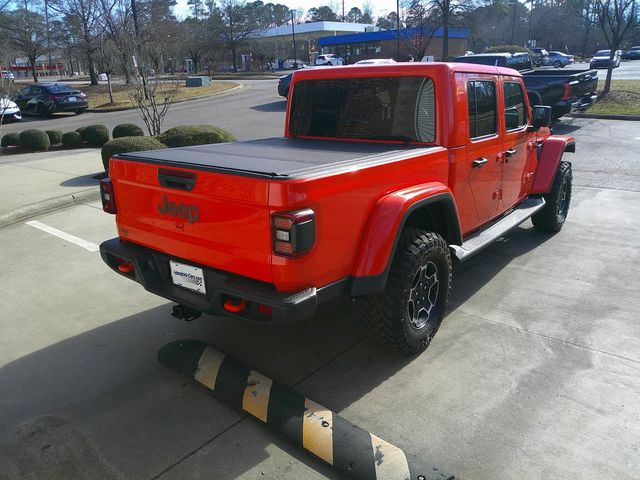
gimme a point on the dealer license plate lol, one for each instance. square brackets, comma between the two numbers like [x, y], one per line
[187, 276]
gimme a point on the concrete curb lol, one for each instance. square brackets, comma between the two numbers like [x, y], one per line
[603, 116]
[349, 449]
[49, 205]
[217, 94]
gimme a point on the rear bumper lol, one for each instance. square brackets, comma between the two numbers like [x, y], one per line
[574, 105]
[152, 271]
[71, 107]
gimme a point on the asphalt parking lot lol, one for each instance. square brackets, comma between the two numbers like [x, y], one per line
[535, 372]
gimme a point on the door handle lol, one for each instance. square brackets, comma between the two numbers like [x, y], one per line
[480, 162]
[510, 152]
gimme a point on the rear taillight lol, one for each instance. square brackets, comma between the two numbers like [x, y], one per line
[107, 195]
[567, 91]
[293, 232]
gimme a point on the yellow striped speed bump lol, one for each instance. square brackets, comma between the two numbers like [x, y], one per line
[348, 448]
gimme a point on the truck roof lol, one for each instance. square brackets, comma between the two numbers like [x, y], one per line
[401, 68]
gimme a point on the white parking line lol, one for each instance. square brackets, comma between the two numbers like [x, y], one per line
[92, 247]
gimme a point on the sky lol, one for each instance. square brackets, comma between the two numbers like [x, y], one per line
[380, 7]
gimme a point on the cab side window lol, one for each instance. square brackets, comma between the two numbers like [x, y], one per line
[482, 108]
[515, 113]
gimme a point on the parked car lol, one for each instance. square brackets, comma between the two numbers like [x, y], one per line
[45, 99]
[541, 56]
[632, 54]
[559, 59]
[329, 59]
[292, 63]
[375, 61]
[563, 92]
[7, 75]
[9, 110]
[283, 85]
[602, 59]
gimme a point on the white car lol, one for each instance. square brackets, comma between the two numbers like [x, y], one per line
[6, 74]
[9, 110]
[375, 61]
[329, 59]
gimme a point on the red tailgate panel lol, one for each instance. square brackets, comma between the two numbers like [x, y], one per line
[232, 230]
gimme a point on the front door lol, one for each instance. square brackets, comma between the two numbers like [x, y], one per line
[484, 161]
[516, 144]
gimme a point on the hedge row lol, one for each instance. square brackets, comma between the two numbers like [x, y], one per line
[95, 135]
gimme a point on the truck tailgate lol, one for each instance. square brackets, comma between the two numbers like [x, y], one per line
[204, 217]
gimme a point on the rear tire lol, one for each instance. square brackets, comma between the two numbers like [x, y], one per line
[553, 215]
[557, 64]
[408, 312]
[43, 111]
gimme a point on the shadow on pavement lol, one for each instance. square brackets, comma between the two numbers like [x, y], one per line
[279, 106]
[565, 127]
[144, 418]
[83, 180]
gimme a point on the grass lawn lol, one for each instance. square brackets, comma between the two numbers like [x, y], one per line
[98, 95]
[623, 99]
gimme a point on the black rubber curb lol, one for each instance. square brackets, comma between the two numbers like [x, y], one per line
[200, 97]
[603, 116]
[348, 448]
[49, 205]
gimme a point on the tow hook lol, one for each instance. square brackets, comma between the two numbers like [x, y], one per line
[185, 313]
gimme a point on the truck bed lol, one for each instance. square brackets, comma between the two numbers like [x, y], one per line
[278, 158]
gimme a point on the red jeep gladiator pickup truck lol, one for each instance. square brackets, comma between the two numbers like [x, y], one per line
[385, 173]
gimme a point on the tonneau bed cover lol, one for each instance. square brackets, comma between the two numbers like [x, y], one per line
[277, 157]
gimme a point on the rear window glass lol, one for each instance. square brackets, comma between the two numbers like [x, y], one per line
[381, 108]
[60, 89]
[519, 62]
[602, 53]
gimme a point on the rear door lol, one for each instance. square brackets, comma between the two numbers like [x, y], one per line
[484, 165]
[516, 148]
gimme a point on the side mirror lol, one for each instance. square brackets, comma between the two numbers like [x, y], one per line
[541, 118]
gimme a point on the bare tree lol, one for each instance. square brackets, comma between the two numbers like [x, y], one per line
[616, 19]
[233, 22]
[27, 34]
[107, 61]
[152, 99]
[423, 22]
[84, 17]
[448, 13]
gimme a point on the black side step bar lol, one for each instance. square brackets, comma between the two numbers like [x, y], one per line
[482, 239]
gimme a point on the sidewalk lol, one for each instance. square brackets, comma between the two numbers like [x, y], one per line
[35, 183]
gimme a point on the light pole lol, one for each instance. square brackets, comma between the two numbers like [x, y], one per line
[293, 34]
[398, 30]
[513, 23]
[46, 20]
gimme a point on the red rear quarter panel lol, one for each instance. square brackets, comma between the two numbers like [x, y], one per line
[343, 203]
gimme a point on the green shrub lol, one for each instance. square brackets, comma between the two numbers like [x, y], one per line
[96, 135]
[55, 136]
[10, 140]
[34, 140]
[128, 144]
[127, 130]
[185, 135]
[82, 131]
[71, 139]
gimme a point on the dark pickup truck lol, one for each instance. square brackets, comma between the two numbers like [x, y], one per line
[563, 92]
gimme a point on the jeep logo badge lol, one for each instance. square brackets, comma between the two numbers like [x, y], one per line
[180, 210]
